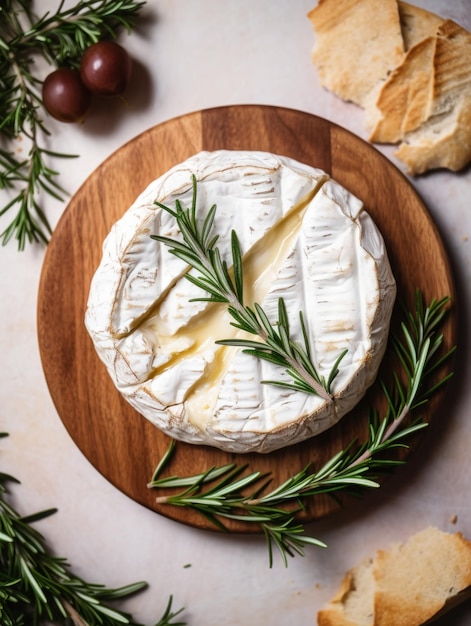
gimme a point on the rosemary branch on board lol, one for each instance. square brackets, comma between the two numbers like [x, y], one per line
[60, 38]
[221, 492]
[226, 285]
[38, 588]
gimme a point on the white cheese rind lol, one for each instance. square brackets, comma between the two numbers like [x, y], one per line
[332, 266]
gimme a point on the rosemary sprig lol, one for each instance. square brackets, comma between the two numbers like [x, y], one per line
[224, 284]
[226, 493]
[38, 588]
[60, 38]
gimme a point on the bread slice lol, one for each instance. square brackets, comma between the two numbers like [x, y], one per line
[353, 603]
[444, 139]
[408, 68]
[405, 99]
[444, 142]
[410, 584]
[417, 24]
[354, 52]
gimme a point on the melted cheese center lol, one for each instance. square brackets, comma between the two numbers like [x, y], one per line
[198, 337]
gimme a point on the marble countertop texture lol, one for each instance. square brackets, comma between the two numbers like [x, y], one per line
[189, 56]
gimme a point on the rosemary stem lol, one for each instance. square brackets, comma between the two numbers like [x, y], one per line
[162, 499]
[295, 364]
[367, 454]
[48, 27]
[319, 389]
[74, 616]
[18, 73]
[274, 511]
[33, 35]
[396, 423]
[59, 37]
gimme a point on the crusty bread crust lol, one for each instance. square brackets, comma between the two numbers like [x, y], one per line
[410, 584]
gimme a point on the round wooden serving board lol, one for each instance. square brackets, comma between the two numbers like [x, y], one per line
[120, 443]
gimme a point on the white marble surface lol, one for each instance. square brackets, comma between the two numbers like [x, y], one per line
[191, 55]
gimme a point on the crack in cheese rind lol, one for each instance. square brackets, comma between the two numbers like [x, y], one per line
[339, 237]
[191, 335]
[260, 269]
[253, 192]
[159, 347]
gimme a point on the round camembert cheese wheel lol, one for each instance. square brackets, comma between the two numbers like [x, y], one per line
[304, 238]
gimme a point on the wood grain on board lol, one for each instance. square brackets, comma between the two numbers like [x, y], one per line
[122, 445]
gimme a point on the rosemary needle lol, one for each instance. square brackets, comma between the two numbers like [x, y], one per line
[39, 588]
[221, 284]
[59, 37]
[222, 493]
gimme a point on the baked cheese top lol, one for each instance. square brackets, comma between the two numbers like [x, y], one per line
[304, 238]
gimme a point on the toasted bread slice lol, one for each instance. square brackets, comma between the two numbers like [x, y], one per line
[411, 584]
[444, 142]
[408, 68]
[444, 138]
[417, 24]
[405, 99]
[354, 52]
[353, 604]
